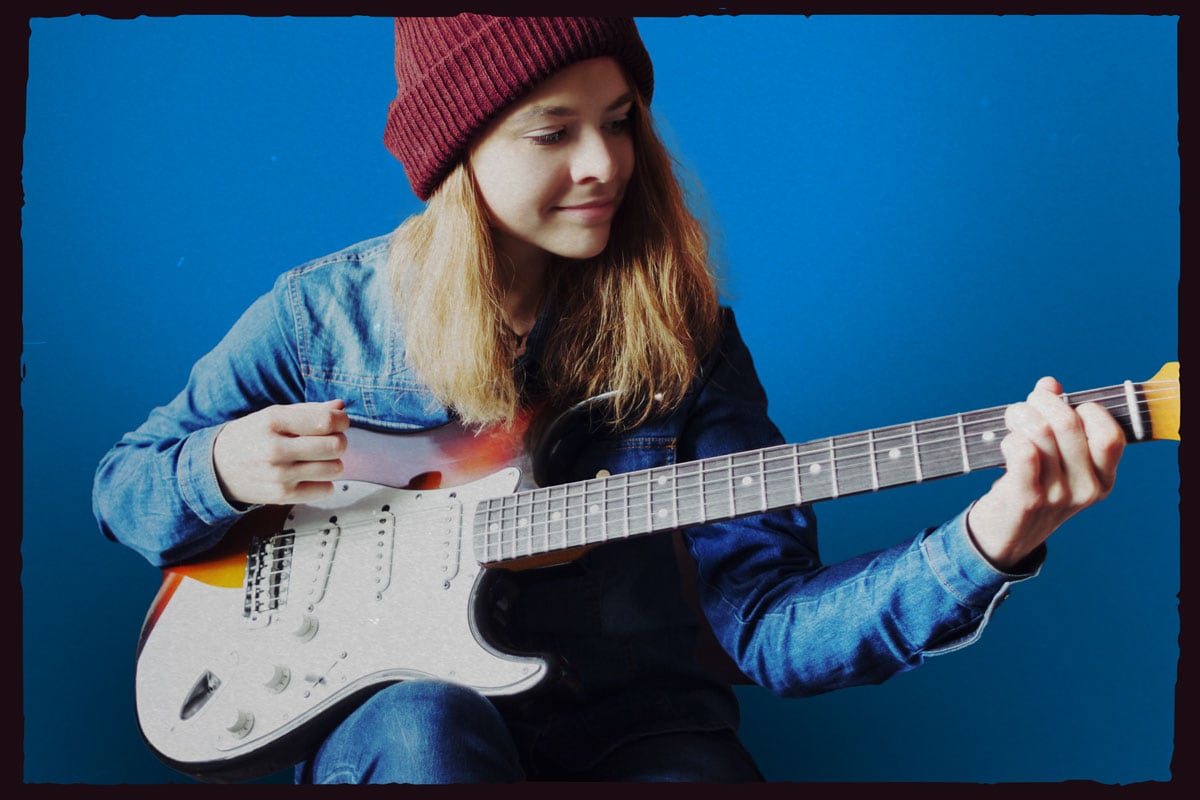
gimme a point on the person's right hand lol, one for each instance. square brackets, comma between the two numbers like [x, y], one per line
[283, 454]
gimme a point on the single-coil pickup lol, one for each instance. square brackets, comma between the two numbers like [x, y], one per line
[373, 540]
[430, 529]
[313, 557]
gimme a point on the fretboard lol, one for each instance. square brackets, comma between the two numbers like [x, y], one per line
[721, 488]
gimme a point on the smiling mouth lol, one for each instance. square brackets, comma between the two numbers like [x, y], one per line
[589, 206]
[592, 211]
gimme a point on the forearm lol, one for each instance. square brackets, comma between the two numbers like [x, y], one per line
[800, 628]
[156, 490]
[158, 495]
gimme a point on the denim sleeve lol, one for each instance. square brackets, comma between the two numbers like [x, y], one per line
[156, 490]
[800, 627]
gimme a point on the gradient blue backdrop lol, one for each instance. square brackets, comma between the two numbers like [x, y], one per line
[916, 215]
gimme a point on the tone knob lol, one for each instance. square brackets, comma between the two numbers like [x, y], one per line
[273, 676]
[243, 721]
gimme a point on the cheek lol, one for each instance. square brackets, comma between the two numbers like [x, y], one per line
[522, 202]
[523, 191]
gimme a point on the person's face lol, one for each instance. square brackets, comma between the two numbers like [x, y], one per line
[553, 167]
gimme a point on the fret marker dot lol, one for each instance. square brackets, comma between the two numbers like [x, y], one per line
[894, 453]
[522, 522]
[746, 480]
[814, 469]
[662, 512]
[662, 479]
[495, 526]
[988, 436]
[594, 509]
[557, 515]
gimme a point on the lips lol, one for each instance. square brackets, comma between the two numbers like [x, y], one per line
[591, 210]
[603, 202]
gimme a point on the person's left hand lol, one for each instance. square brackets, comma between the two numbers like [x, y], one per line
[1058, 461]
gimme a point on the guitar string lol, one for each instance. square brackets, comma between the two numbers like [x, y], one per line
[904, 435]
[640, 496]
[645, 496]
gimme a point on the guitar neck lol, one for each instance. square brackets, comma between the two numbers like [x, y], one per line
[721, 488]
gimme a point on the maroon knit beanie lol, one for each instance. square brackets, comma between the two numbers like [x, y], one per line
[455, 74]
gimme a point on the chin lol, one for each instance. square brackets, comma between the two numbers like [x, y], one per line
[580, 250]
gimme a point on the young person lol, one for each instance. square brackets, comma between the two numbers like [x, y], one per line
[557, 260]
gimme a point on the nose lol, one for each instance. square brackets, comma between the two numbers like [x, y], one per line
[595, 158]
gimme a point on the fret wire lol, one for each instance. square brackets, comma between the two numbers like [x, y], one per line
[558, 513]
[630, 490]
[729, 469]
[511, 512]
[762, 479]
[540, 515]
[567, 503]
[675, 496]
[625, 483]
[1135, 418]
[505, 514]
[796, 473]
[916, 453]
[550, 507]
[604, 511]
[493, 527]
[874, 465]
[962, 438]
[525, 523]
[653, 511]
[581, 516]
[567, 517]
[833, 472]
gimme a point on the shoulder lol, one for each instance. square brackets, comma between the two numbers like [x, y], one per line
[730, 362]
[346, 273]
[348, 339]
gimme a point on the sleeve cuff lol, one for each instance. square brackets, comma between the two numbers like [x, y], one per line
[968, 575]
[198, 483]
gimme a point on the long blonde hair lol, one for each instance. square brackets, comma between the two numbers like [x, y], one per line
[634, 320]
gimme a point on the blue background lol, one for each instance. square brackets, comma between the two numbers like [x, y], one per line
[916, 216]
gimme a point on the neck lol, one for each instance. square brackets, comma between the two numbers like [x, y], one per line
[522, 277]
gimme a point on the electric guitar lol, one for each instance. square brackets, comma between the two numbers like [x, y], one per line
[253, 652]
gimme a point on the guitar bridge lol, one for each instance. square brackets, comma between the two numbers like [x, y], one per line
[268, 568]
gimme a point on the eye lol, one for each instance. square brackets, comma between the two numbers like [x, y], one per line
[618, 125]
[553, 137]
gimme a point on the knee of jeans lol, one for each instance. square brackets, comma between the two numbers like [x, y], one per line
[419, 732]
[429, 710]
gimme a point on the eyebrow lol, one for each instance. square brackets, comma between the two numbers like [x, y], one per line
[563, 111]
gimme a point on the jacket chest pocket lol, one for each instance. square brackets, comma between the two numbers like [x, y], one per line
[395, 406]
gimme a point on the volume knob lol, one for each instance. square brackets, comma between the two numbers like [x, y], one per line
[306, 628]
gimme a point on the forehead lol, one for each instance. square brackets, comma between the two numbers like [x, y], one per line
[594, 84]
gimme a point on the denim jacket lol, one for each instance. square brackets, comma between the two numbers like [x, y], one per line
[615, 619]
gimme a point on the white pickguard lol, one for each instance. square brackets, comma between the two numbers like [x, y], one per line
[375, 597]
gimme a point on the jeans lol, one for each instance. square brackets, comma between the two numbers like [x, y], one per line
[426, 732]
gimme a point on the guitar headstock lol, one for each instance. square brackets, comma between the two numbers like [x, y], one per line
[1162, 402]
